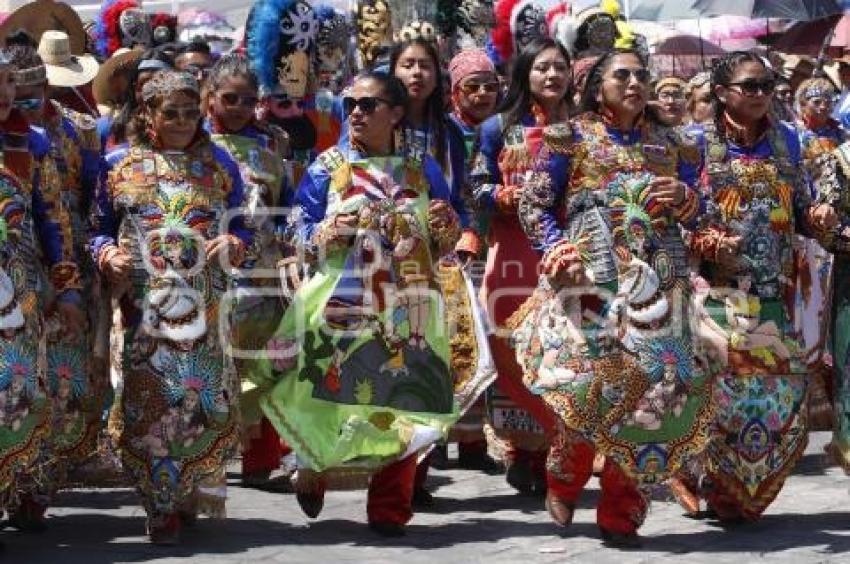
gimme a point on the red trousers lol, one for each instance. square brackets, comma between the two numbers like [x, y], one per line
[264, 451]
[391, 492]
[621, 508]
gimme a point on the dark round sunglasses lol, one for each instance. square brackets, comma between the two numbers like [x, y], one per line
[367, 104]
[751, 87]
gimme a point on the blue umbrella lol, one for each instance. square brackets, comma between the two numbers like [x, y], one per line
[661, 10]
[799, 10]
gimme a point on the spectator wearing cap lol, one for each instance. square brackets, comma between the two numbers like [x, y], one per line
[474, 89]
[669, 103]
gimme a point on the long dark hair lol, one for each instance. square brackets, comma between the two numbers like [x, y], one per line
[393, 88]
[590, 96]
[517, 102]
[435, 107]
[721, 74]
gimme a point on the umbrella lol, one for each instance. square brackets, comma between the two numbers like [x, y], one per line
[721, 28]
[660, 10]
[806, 38]
[683, 55]
[800, 10]
[688, 45]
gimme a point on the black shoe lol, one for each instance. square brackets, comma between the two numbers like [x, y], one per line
[439, 457]
[519, 477]
[624, 541]
[422, 498]
[27, 524]
[311, 503]
[389, 530]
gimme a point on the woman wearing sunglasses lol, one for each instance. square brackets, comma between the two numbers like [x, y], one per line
[75, 152]
[359, 366]
[158, 239]
[602, 342]
[819, 136]
[758, 199]
[33, 247]
[260, 151]
[509, 142]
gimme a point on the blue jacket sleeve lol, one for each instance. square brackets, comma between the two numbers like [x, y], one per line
[235, 199]
[484, 173]
[311, 201]
[538, 211]
[104, 218]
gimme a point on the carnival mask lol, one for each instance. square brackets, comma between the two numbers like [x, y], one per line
[162, 35]
[530, 25]
[416, 30]
[332, 42]
[135, 28]
[601, 32]
[476, 17]
[292, 75]
[299, 25]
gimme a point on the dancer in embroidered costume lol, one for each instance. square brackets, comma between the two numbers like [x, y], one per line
[260, 150]
[29, 206]
[360, 371]
[757, 200]
[474, 93]
[832, 189]
[509, 143]
[623, 379]
[77, 376]
[819, 136]
[159, 240]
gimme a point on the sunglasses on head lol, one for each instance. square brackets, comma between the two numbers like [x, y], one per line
[367, 104]
[234, 99]
[187, 114]
[29, 104]
[470, 88]
[751, 87]
[622, 75]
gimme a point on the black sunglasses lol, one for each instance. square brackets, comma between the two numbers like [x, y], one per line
[751, 88]
[622, 75]
[367, 104]
[234, 99]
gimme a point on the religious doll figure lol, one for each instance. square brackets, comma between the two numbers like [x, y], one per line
[374, 29]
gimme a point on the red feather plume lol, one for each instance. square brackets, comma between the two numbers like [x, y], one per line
[501, 36]
[109, 21]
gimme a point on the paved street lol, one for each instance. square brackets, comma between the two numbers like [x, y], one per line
[477, 519]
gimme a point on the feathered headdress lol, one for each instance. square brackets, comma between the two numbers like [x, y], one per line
[507, 37]
[560, 25]
[107, 31]
[267, 40]
[333, 28]
[164, 28]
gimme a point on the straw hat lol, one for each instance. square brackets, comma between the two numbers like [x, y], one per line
[63, 68]
[122, 60]
[42, 15]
